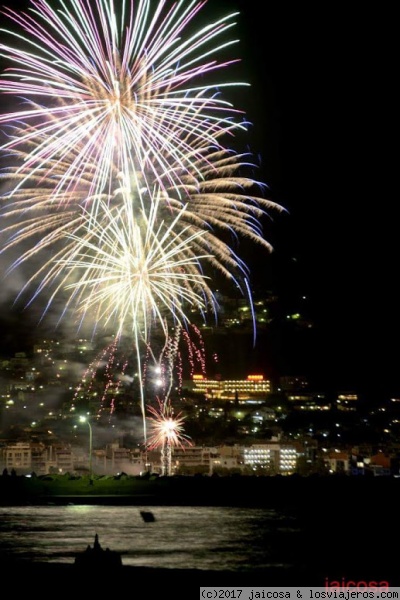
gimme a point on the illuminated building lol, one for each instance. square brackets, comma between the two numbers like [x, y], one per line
[254, 388]
[273, 457]
[347, 402]
[310, 402]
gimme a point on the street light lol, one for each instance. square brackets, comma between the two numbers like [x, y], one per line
[86, 420]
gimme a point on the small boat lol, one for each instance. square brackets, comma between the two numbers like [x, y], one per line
[147, 516]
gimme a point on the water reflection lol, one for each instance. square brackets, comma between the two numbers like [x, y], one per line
[211, 538]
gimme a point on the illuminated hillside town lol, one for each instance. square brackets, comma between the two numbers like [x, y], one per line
[248, 424]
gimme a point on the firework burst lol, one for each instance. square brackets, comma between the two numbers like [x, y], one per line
[122, 84]
[166, 433]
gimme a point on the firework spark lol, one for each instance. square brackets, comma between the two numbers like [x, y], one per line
[167, 432]
[114, 374]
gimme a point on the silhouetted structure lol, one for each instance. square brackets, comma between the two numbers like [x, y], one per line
[97, 557]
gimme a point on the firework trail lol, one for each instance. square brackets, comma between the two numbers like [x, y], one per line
[165, 363]
[114, 372]
[196, 352]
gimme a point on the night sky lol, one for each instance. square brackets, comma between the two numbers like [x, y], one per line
[323, 110]
[322, 96]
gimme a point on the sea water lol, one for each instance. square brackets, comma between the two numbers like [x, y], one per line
[209, 538]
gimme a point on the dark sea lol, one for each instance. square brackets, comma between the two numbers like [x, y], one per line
[207, 538]
[340, 536]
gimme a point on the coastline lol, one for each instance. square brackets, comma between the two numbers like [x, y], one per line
[202, 491]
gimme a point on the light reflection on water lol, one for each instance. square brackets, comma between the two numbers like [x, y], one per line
[211, 538]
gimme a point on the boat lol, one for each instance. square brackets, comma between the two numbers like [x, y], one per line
[147, 516]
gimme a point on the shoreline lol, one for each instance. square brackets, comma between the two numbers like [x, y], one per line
[262, 492]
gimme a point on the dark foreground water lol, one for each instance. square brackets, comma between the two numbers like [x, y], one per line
[205, 545]
[222, 538]
[227, 533]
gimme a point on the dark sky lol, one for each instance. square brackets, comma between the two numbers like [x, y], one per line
[322, 103]
[323, 108]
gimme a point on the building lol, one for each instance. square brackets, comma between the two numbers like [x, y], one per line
[63, 458]
[293, 383]
[338, 462]
[28, 457]
[254, 388]
[347, 401]
[271, 458]
[193, 459]
[220, 464]
[18, 456]
[308, 402]
[123, 460]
